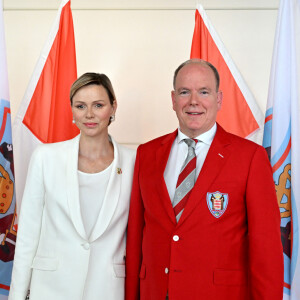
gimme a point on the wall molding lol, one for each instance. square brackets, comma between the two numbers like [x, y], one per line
[143, 5]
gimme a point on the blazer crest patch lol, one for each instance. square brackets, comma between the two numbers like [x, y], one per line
[217, 203]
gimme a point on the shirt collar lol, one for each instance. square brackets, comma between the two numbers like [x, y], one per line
[206, 137]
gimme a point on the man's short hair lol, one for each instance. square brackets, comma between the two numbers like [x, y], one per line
[201, 62]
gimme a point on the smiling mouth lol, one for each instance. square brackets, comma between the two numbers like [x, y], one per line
[194, 113]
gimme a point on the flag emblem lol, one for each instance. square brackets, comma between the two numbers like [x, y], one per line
[217, 203]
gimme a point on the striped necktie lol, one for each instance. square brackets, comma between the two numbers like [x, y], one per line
[186, 179]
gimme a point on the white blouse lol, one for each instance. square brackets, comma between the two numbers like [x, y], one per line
[92, 189]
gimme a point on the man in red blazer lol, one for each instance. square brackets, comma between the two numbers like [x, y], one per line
[224, 244]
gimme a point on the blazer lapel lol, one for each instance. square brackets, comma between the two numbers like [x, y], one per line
[73, 187]
[162, 156]
[215, 160]
[111, 196]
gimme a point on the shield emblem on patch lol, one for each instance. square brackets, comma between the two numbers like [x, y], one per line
[217, 203]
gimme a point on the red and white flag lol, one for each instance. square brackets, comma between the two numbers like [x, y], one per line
[240, 113]
[45, 114]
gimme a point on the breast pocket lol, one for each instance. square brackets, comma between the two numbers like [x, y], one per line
[45, 263]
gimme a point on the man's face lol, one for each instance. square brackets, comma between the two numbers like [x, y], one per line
[195, 99]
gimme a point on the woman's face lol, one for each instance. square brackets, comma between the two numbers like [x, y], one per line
[92, 109]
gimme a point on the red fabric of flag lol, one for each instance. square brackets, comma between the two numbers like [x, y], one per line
[49, 115]
[235, 115]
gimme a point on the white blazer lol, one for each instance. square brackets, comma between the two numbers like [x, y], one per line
[53, 256]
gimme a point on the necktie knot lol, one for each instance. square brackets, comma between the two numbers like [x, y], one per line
[191, 142]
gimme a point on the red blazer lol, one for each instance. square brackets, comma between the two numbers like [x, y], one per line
[235, 256]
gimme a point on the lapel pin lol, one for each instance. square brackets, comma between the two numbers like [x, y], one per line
[220, 155]
[119, 171]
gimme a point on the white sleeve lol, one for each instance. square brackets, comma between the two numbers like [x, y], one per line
[29, 227]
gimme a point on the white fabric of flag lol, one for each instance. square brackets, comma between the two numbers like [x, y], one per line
[282, 137]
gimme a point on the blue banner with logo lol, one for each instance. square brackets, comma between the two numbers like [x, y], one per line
[8, 227]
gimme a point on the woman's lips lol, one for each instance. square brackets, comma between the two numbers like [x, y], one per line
[90, 125]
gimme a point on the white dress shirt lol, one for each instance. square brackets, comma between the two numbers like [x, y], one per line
[178, 155]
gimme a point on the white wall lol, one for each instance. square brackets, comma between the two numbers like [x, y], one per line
[139, 44]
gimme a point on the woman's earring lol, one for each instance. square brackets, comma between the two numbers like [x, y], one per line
[112, 118]
[73, 121]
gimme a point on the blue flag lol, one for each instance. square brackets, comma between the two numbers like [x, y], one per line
[282, 137]
[7, 190]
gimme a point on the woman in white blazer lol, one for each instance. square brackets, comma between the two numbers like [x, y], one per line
[72, 228]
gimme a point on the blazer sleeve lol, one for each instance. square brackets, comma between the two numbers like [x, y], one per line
[134, 236]
[29, 228]
[265, 248]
